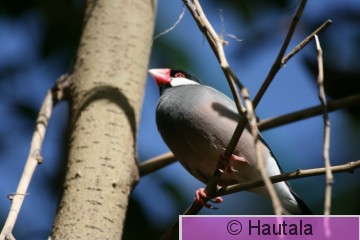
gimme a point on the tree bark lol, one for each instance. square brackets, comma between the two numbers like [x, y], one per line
[107, 89]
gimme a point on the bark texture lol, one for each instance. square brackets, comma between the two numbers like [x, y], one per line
[108, 85]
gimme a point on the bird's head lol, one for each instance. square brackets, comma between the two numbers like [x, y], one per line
[166, 78]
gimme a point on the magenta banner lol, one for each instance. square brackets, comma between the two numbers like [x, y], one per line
[269, 228]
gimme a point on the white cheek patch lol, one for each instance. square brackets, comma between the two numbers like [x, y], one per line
[182, 81]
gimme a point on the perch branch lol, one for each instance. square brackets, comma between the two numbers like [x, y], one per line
[217, 45]
[347, 167]
[58, 92]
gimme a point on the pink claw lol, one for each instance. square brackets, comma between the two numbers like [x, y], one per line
[201, 199]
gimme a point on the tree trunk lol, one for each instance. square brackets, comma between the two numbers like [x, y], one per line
[107, 91]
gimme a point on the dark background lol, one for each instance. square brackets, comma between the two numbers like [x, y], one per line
[38, 42]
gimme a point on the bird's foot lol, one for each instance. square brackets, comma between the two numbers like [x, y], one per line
[226, 165]
[201, 199]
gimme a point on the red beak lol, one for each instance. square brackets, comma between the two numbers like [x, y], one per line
[161, 75]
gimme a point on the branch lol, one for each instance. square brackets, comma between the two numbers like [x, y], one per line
[56, 93]
[350, 101]
[172, 27]
[347, 167]
[278, 61]
[252, 117]
[329, 176]
[305, 42]
[156, 163]
[216, 43]
[278, 209]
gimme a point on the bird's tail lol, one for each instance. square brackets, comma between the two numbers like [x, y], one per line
[304, 209]
[290, 201]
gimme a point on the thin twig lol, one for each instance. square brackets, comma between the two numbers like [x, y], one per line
[278, 61]
[156, 163]
[326, 148]
[172, 27]
[350, 101]
[329, 176]
[55, 94]
[217, 45]
[305, 42]
[278, 209]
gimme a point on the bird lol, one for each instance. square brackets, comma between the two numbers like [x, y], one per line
[197, 122]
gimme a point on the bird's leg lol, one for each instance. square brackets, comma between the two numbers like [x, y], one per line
[226, 165]
[201, 197]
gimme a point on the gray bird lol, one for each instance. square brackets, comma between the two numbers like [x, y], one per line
[197, 121]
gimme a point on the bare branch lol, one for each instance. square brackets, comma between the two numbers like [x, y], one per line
[305, 42]
[278, 61]
[216, 44]
[278, 209]
[156, 163]
[172, 27]
[329, 176]
[350, 101]
[55, 94]
[250, 107]
[347, 167]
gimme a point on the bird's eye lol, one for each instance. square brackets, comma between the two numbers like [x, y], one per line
[179, 75]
